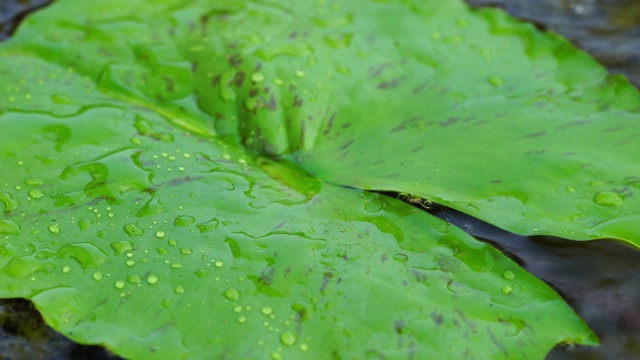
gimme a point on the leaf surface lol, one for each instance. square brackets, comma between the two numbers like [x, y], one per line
[145, 209]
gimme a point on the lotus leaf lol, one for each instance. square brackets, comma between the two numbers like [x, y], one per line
[188, 179]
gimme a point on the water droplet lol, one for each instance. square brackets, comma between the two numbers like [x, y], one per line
[496, 81]
[304, 347]
[570, 189]
[219, 264]
[130, 262]
[509, 275]
[288, 338]
[401, 258]
[119, 284]
[267, 311]
[257, 77]
[36, 194]
[507, 289]
[162, 251]
[97, 276]
[133, 230]
[173, 242]
[276, 356]
[160, 234]
[299, 73]
[9, 203]
[185, 251]
[34, 182]
[66, 269]
[184, 221]
[121, 247]
[232, 294]
[54, 229]
[237, 309]
[9, 227]
[152, 279]
[242, 319]
[179, 289]
[176, 266]
[608, 198]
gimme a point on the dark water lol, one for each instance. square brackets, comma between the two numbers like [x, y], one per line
[607, 29]
[599, 279]
[13, 11]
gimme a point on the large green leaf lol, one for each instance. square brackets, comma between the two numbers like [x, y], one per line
[144, 209]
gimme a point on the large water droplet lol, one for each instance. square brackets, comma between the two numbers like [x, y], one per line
[121, 246]
[133, 230]
[209, 226]
[184, 220]
[288, 338]
[9, 204]
[267, 311]
[608, 198]
[509, 275]
[54, 229]
[36, 194]
[152, 279]
[232, 294]
[9, 227]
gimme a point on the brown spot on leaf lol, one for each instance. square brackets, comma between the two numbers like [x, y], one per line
[449, 121]
[398, 326]
[346, 145]
[239, 78]
[437, 317]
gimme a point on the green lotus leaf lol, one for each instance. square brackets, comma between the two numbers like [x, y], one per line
[163, 195]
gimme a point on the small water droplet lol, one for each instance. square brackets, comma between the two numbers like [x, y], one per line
[66, 269]
[152, 279]
[36, 194]
[242, 319]
[219, 264]
[299, 73]
[288, 338]
[267, 311]
[232, 294]
[570, 189]
[161, 234]
[130, 262]
[185, 251]
[176, 266]
[162, 251]
[184, 221]
[134, 279]
[173, 242]
[276, 356]
[509, 275]
[401, 258]
[496, 81]
[304, 347]
[179, 289]
[133, 230]
[54, 229]
[34, 182]
[237, 309]
[257, 77]
[608, 198]
[97, 276]
[119, 284]
[507, 289]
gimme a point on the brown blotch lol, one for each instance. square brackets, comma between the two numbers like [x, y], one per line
[215, 81]
[347, 144]
[437, 317]
[297, 101]
[239, 78]
[234, 60]
[449, 121]
[496, 181]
